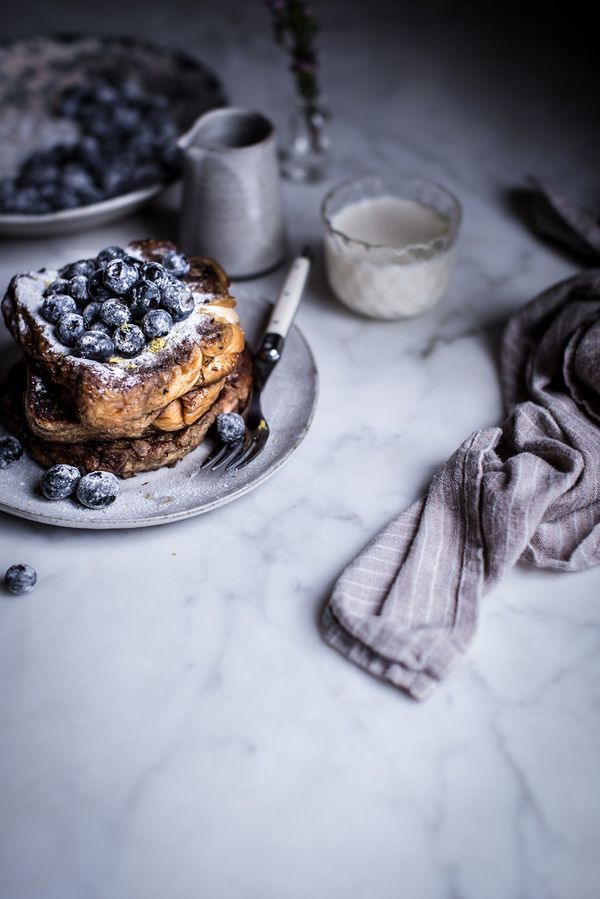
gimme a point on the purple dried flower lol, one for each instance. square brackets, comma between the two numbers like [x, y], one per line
[295, 29]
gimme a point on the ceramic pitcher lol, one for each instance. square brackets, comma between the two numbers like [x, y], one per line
[232, 206]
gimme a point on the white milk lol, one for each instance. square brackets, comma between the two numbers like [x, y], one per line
[379, 280]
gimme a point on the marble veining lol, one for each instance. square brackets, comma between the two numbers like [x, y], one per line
[171, 724]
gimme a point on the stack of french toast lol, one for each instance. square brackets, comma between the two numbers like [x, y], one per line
[107, 394]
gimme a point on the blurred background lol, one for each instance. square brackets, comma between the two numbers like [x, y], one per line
[502, 73]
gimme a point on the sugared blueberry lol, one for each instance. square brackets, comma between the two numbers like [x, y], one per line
[20, 579]
[107, 255]
[95, 345]
[57, 305]
[143, 296]
[153, 271]
[156, 323]
[60, 481]
[97, 489]
[230, 426]
[10, 451]
[129, 340]
[119, 276]
[177, 299]
[78, 289]
[101, 326]
[60, 285]
[97, 289]
[84, 267]
[176, 263]
[114, 313]
[91, 313]
[69, 328]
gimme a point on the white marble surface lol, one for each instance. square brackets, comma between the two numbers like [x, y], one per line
[171, 724]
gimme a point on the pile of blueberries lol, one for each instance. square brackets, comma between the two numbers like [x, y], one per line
[114, 304]
[127, 140]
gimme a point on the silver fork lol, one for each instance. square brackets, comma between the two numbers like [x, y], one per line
[233, 456]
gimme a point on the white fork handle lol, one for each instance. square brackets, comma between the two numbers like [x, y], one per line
[285, 308]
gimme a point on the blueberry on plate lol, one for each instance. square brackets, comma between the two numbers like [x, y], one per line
[20, 579]
[60, 481]
[69, 328]
[177, 299]
[114, 313]
[97, 289]
[129, 340]
[119, 276]
[10, 451]
[176, 263]
[156, 323]
[143, 296]
[60, 285]
[153, 271]
[107, 255]
[95, 345]
[85, 267]
[230, 426]
[57, 305]
[78, 289]
[97, 489]
[91, 313]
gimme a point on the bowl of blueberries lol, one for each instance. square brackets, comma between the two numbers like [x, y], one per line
[89, 128]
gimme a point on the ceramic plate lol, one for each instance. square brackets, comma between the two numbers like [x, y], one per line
[171, 494]
[33, 71]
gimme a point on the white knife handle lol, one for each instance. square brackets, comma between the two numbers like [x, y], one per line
[288, 300]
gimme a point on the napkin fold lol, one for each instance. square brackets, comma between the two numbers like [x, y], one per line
[406, 608]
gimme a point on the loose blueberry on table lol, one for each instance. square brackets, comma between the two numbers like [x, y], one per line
[20, 579]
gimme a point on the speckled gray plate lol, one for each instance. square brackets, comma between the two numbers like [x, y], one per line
[34, 70]
[171, 494]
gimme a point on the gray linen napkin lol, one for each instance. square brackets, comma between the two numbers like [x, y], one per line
[406, 608]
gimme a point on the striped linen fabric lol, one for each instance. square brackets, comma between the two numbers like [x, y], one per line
[406, 608]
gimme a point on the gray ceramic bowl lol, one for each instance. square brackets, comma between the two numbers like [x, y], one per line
[33, 71]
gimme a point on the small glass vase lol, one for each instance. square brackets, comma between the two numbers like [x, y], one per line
[306, 152]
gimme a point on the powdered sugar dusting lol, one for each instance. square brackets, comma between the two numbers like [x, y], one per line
[29, 289]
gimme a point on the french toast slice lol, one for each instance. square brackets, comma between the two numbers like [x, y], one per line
[125, 457]
[52, 420]
[199, 351]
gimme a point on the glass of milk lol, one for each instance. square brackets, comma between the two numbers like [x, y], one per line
[390, 244]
